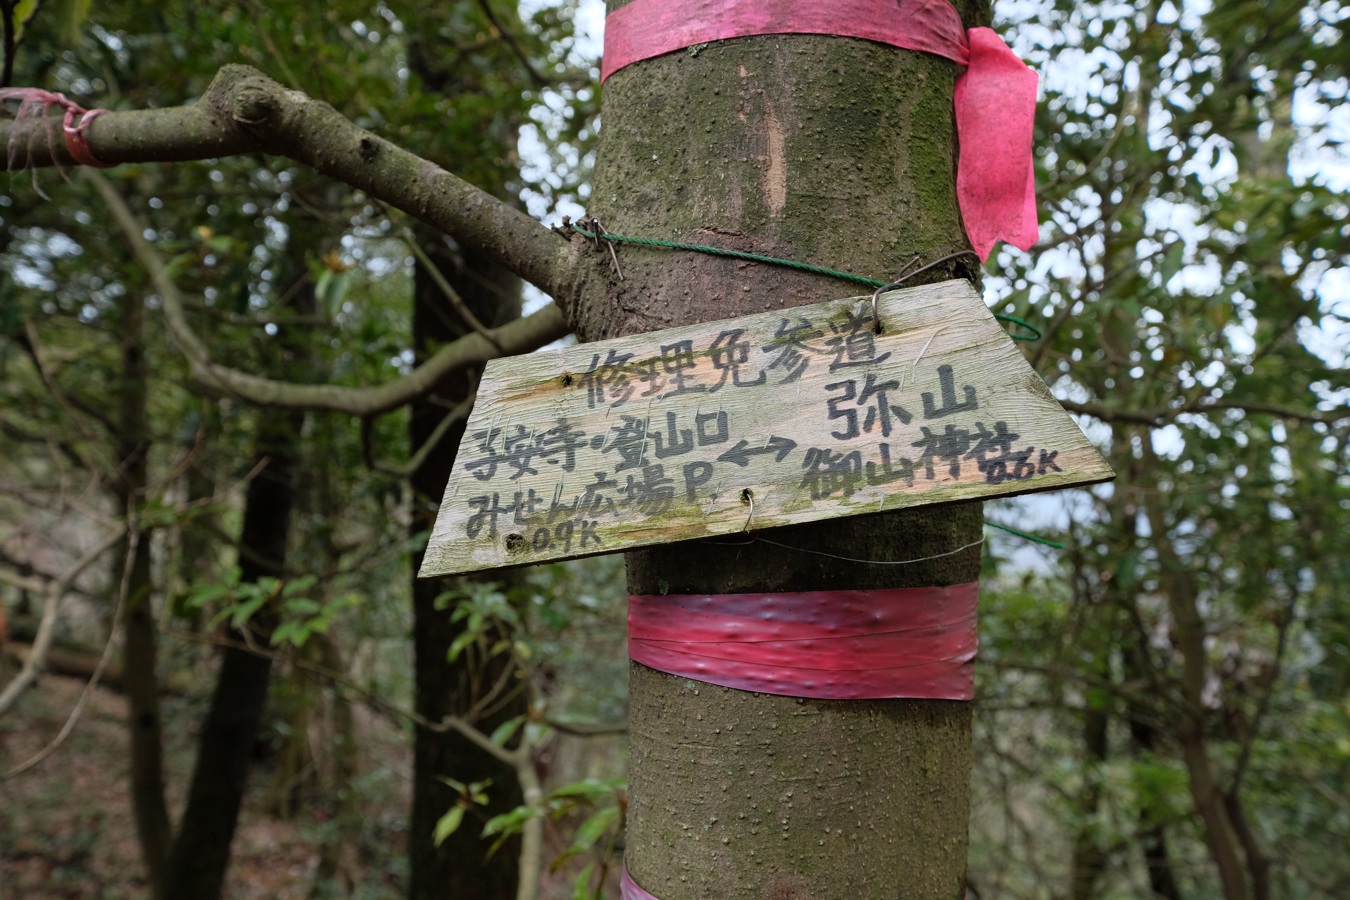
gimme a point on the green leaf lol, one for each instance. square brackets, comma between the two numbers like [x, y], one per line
[239, 615]
[208, 593]
[322, 286]
[224, 244]
[331, 289]
[448, 824]
[590, 789]
[462, 640]
[581, 888]
[304, 606]
[592, 829]
[284, 632]
[299, 585]
[507, 730]
[21, 15]
[508, 823]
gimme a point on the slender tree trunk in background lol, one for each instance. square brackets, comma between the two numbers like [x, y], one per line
[1152, 834]
[1188, 637]
[131, 574]
[201, 853]
[459, 868]
[1102, 615]
[198, 545]
[1138, 667]
[330, 879]
[840, 153]
[1089, 859]
[1258, 862]
[294, 779]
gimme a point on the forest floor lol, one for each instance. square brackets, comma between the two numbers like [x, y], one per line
[66, 826]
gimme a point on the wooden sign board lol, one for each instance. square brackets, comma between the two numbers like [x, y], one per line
[745, 424]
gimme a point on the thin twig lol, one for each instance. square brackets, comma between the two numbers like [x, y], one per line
[93, 679]
[46, 632]
[443, 285]
[430, 445]
[510, 41]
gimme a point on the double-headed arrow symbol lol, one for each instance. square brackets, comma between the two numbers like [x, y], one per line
[741, 453]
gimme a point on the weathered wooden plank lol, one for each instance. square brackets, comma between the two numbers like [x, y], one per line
[746, 424]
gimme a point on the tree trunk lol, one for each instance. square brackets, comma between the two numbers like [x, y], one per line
[132, 577]
[1089, 857]
[840, 153]
[460, 867]
[201, 852]
[1152, 833]
[331, 879]
[1188, 636]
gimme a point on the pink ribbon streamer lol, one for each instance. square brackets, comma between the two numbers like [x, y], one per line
[995, 97]
[831, 645]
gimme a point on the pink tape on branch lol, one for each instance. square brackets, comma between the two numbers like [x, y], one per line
[833, 645]
[36, 102]
[629, 890]
[995, 97]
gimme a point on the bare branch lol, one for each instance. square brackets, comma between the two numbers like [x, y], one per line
[520, 336]
[42, 642]
[1159, 417]
[513, 45]
[443, 284]
[244, 111]
[430, 445]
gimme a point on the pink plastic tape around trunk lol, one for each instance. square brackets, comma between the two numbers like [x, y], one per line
[835, 645]
[629, 890]
[995, 97]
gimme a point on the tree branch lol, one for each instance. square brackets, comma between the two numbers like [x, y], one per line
[430, 445]
[519, 336]
[1158, 417]
[244, 111]
[54, 591]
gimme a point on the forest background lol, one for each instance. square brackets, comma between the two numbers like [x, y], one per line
[1164, 699]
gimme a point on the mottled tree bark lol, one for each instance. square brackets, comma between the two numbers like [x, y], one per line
[840, 153]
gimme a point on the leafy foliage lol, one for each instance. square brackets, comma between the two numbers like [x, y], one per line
[1193, 274]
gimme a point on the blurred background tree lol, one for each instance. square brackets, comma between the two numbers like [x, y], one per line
[1163, 707]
